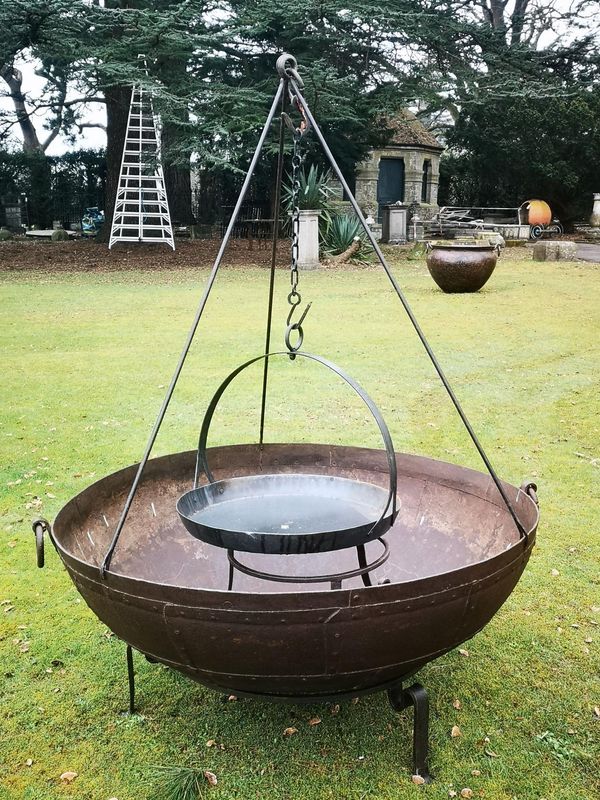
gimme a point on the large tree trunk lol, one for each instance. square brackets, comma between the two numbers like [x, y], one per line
[175, 154]
[39, 199]
[177, 179]
[117, 112]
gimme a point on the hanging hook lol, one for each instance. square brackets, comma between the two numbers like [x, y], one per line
[294, 299]
[287, 68]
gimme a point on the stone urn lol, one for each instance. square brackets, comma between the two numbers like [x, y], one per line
[461, 267]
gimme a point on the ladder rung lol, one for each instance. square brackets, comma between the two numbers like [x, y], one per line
[150, 215]
[140, 239]
[150, 227]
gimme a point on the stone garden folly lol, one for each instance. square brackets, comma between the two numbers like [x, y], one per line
[405, 171]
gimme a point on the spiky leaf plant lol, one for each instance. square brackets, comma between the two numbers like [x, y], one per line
[314, 193]
[341, 232]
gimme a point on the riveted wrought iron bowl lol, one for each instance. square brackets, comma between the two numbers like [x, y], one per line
[461, 267]
[455, 556]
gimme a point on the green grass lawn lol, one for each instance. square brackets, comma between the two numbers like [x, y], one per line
[86, 357]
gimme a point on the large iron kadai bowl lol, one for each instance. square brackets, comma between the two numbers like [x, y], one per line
[455, 556]
[460, 268]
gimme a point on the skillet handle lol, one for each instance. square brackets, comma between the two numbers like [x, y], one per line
[202, 462]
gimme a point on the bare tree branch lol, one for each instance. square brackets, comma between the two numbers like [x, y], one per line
[14, 79]
[82, 125]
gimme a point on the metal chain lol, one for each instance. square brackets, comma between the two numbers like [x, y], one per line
[294, 296]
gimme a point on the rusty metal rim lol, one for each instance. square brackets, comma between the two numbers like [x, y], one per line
[461, 246]
[521, 549]
[518, 548]
[414, 457]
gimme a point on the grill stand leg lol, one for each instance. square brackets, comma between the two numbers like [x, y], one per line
[131, 677]
[230, 581]
[415, 696]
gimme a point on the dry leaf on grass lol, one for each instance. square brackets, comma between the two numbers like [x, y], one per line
[210, 777]
[69, 776]
[457, 704]
[475, 773]
[455, 732]
[597, 711]
[491, 754]
[466, 792]
[314, 721]
[418, 779]
[555, 573]
[452, 793]
[335, 709]
[29, 762]
[463, 652]
[290, 731]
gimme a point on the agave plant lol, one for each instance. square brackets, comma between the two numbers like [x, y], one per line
[314, 192]
[341, 232]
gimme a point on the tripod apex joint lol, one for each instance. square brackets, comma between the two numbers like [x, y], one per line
[287, 67]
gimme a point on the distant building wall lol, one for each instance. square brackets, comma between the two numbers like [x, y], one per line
[416, 161]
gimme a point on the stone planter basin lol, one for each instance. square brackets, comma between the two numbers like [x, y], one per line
[461, 267]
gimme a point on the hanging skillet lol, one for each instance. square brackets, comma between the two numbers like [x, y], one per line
[291, 512]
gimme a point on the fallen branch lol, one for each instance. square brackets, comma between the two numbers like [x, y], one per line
[349, 253]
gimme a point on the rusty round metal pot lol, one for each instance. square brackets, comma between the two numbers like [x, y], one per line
[461, 267]
[455, 557]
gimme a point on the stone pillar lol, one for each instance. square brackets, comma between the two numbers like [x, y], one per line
[595, 218]
[367, 175]
[413, 177]
[435, 180]
[308, 240]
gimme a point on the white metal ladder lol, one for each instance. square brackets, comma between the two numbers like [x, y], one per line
[141, 206]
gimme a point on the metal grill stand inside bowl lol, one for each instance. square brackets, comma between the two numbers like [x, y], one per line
[387, 562]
